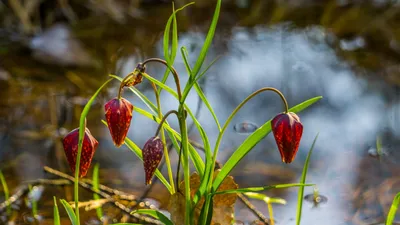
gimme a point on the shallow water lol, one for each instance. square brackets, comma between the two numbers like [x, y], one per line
[301, 53]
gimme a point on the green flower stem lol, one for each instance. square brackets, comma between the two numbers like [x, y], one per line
[163, 139]
[184, 134]
[221, 133]
[82, 127]
[163, 119]
[185, 162]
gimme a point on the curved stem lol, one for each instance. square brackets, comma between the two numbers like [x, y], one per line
[122, 85]
[164, 118]
[173, 71]
[166, 152]
[221, 133]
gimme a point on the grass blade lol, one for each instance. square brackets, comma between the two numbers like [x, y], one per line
[251, 141]
[393, 210]
[156, 214]
[302, 181]
[56, 213]
[207, 42]
[82, 127]
[255, 189]
[70, 211]
[6, 191]
[95, 178]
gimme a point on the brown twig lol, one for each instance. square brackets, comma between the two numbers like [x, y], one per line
[103, 194]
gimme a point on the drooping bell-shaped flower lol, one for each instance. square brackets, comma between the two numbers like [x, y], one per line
[152, 154]
[70, 143]
[287, 130]
[118, 116]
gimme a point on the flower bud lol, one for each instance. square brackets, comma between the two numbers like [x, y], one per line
[70, 143]
[287, 130]
[152, 154]
[118, 116]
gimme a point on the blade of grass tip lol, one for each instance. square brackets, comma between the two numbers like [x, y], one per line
[70, 211]
[170, 57]
[302, 181]
[255, 189]
[393, 209]
[99, 210]
[6, 191]
[156, 214]
[56, 213]
[207, 42]
[33, 203]
[82, 127]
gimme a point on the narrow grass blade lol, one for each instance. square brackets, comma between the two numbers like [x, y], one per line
[156, 214]
[138, 152]
[170, 55]
[255, 189]
[70, 211]
[33, 203]
[302, 181]
[6, 191]
[126, 224]
[56, 213]
[95, 179]
[207, 42]
[393, 209]
[265, 198]
[82, 125]
[251, 141]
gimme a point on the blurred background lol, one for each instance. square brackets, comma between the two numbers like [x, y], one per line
[55, 53]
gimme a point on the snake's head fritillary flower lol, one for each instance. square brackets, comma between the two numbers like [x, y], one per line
[287, 130]
[70, 143]
[118, 116]
[152, 154]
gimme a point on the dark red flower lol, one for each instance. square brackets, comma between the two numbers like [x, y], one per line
[118, 116]
[89, 146]
[287, 130]
[152, 154]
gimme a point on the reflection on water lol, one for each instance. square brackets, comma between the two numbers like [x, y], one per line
[41, 101]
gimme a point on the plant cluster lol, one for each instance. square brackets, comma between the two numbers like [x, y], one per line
[197, 193]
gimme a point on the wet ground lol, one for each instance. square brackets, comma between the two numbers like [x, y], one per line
[347, 52]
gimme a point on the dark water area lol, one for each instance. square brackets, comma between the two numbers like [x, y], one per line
[346, 51]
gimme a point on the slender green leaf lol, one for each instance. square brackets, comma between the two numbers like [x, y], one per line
[156, 214]
[207, 42]
[82, 126]
[265, 198]
[33, 203]
[302, 181]
[95, 177]
[126, 224]
[70, 211]
[138, 152]
[393, 210]
[163, 86]
[56, 213]
[251, 141]
[254, 189]
[170, 55]
[6, 191]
